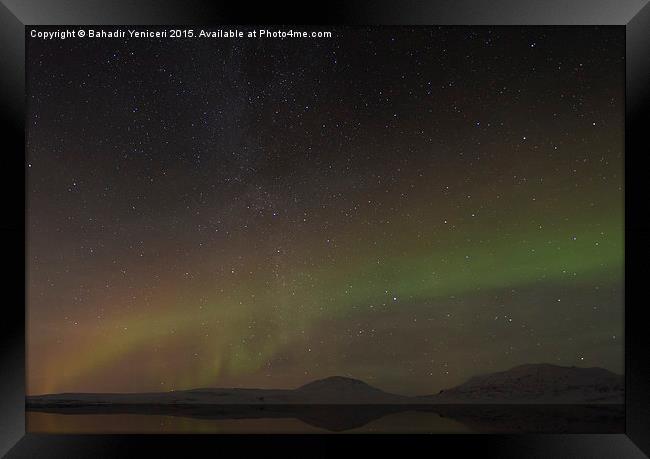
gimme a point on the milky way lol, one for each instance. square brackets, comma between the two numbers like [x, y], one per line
[407, 206]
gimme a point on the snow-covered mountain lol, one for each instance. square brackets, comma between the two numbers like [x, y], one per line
[537, 383]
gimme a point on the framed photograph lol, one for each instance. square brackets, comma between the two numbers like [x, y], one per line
[240, 229]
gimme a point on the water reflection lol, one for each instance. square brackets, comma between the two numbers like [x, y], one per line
[330, 419]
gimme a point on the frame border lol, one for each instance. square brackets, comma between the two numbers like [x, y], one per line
[15, 15]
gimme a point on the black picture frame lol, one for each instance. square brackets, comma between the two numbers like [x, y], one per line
[15, 15]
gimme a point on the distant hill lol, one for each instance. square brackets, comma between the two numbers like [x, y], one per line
[332, 390]
[537, 383]
[524, 384]
[339, 388]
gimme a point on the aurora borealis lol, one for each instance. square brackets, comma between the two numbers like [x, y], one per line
[406, 206]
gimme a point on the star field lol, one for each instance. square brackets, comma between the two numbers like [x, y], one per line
[407, 206]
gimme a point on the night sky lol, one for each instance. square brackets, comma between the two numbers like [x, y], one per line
[406, 206]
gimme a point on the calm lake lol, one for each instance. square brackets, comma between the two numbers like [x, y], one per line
[331, 419]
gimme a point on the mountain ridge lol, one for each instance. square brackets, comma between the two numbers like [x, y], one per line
[527, 383]
[537, 383]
